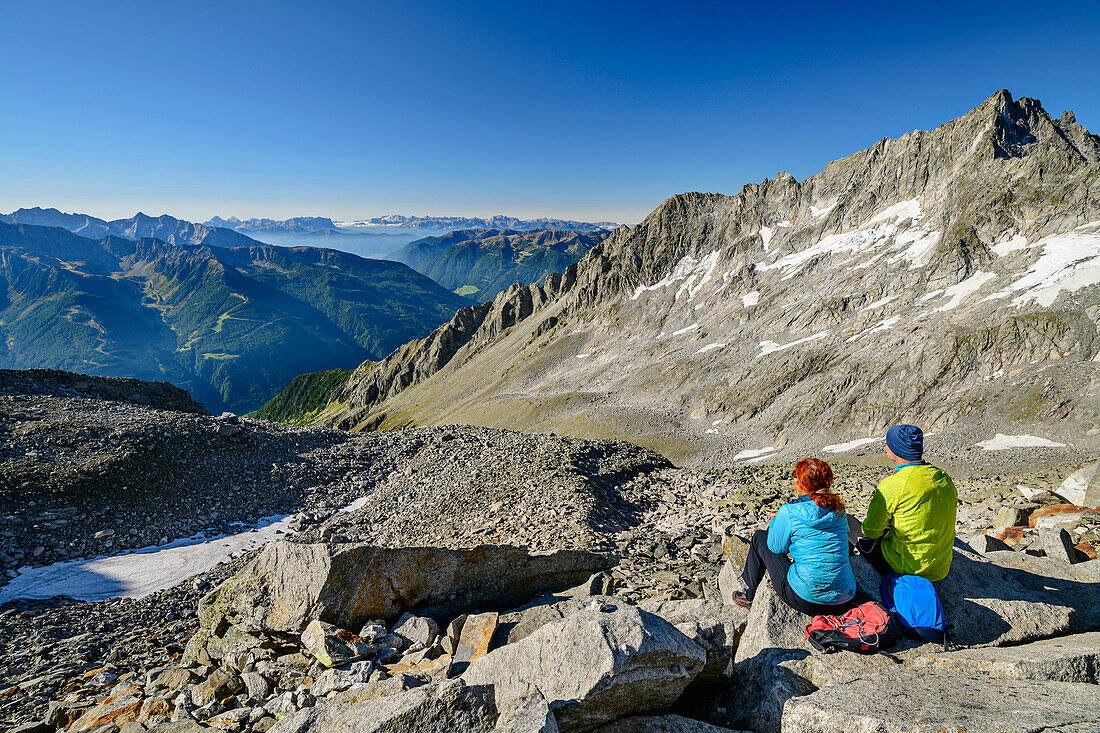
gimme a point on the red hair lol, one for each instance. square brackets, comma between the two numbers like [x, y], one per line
[814, 476]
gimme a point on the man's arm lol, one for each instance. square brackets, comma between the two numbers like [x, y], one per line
[878, 516]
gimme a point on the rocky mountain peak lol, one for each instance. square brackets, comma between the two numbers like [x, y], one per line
[926, 278]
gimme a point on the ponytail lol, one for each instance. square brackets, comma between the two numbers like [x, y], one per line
[814, 477]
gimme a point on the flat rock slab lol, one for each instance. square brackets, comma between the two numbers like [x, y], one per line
[289, 584]
[911, 702]
[1073, 658]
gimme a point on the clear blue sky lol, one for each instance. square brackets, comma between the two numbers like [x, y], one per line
[589, 110]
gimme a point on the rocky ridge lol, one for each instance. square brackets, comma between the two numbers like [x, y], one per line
[946, 277]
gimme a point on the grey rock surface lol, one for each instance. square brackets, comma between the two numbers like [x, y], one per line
[442, 707]
[714, 626]
[908, 702]
[1074, 658]
[289, 584]
[1057, 544]
[1082, 487]
[763, 680]
[594, 667]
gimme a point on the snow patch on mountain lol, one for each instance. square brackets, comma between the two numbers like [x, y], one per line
[880, 302]
[687, 267]
[1014, 244]
[883, 325]
[139, 573]
[1004, 442]
[766, 233]
[770, 347]
[882, 229]
[1069, 261]
[851, 445]
[963, 290]
[753, 453]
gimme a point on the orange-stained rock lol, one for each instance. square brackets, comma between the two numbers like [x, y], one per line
[473, 642]
[153, 707]
[1055, 510]
[735, 549]
[1087, 548]
[1011, 536]
[117, 709]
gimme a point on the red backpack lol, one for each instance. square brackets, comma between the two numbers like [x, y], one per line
[865, 628]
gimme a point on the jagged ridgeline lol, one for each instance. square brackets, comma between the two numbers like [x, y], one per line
[233, 325]
[483, 263]
[947, 276]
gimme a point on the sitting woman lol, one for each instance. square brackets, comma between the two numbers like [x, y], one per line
[812, 528]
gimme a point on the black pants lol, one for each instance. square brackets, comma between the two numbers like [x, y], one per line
[760, 559]
[870, 549]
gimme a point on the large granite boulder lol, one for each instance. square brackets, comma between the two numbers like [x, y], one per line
[440, 707]
[1074, 658]
[1082, 487]
[713, 625]
[596, 666]
[910, 702]
[519, 623]
[290, 584]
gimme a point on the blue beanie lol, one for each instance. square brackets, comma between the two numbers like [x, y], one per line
[906, 441]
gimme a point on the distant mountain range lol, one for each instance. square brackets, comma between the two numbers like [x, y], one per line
[165, 228]
[464, 222]
[483, 262]
[231, 324]
[297, 224]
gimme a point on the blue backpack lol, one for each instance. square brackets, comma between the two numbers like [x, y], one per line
[913, 601]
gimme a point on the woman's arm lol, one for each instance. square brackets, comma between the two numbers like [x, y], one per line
[779, 532]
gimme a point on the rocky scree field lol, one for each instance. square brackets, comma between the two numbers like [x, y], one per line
[428, 575]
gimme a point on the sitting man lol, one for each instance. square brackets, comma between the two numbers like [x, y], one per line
[910, 524]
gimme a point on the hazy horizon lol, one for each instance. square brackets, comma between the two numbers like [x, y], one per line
[590, 112]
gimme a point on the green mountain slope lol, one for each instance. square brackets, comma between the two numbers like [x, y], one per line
[232, 325]
[415, 252]
[483, 263]
[305, 396]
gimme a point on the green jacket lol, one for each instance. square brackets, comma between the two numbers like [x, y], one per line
[914, 512]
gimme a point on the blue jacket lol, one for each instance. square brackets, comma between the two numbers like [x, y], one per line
[817, 540]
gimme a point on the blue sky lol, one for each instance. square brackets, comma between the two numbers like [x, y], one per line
[588, 110]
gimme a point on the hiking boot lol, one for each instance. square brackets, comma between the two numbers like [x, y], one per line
[742, 600]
